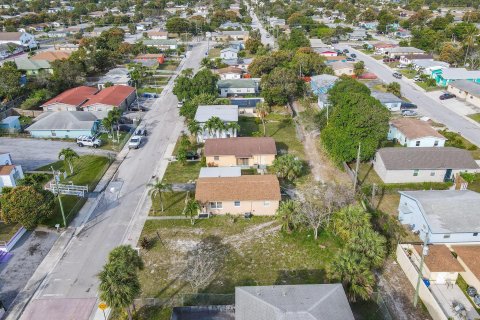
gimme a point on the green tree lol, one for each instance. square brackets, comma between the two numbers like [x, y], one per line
[262, 110]
[194, 128]
[191, 210]
[288, 213]
[178, 25]
[214, 126]
[394, 88]
[295, 40]
[26, 205]
[157, 189]
[308, 62]
[68, 156]
[288, 167]
[10, 85]
[281, 86]
[370, 245]
[359, 68]
[346, 85]
[347, 221]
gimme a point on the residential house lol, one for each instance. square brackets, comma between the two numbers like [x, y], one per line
[10, 124]
[225, 36]
[230, 73]
[51, 56]
[220, 172]
[383, 48]
[358, 35]
[244, 151]
[322, 83]
[161, 44]
[157, 35]
[110, 98]
[150, 59]
[428, 66]
[237, 87]
[443, 216]
[388, 100]
[24, 39]
[241, 63]
[246, 105]
[369, 25]
[227, 113]
[342, 68]
[468, 256]
[9, 172]
[398, 52]
[413, 133]
[409, 58]
[328, 53]
[231, 25]
[69, 100]
[64, 125]
[307, 301]
[276, 22]
[33, 67]
[429, 164]
[229, 53]
[445, 76]
[466, 90]
[9, 49]
[249, 194]
[403, 34]
[318, 46]
[66, 47]
[116, 76]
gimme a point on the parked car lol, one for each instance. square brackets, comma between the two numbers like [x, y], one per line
[135, 142]
[446, 96]
[123, 128]
[397, 75]
[353, 55]
[387, 60]
[407, 106]
[471, 291]
[409, 113]
[346, 51]
[192, 155]
[87, 141]
[141, 132]
[180, 104]
[137, 107]
[417, 78]
[350, 59]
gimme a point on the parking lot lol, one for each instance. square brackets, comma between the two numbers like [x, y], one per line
[34, 153]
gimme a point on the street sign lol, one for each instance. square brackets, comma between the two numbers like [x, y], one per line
[102, 306]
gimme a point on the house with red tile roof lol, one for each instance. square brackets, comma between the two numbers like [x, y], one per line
[110, 98]
[69, 100]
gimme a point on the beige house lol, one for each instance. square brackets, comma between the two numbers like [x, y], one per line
[342, 68]
[255, 194]
[245, 151]
[466, 90]
[429, 164]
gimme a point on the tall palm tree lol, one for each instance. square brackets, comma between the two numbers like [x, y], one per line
[158, 188]
[262, 112]
[194, 128]
[191, 210]
[288, 167]
[214, 126]
[287, 214]
[68, 156]
[233, 126]
[370, 244]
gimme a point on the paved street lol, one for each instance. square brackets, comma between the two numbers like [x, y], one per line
[427, 106]
[257, 25]
[70, 289]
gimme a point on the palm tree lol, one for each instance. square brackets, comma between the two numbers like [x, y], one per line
[157, 189]
[348, 220]
[233, 126]
[194, 128]
[288, 167]
[262, 111]
[214, 125]
[191, 209]
[68, 156]
[370, 244]
[287, 214]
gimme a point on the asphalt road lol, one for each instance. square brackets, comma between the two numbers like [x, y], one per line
[72, 284]
[257, 25]
[34, 153]
[427, 106]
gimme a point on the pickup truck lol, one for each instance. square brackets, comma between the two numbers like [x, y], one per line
[87, 141]
[135, 142]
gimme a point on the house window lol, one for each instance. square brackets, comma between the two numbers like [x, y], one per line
[446, 236]
[417, 143]
[475, 234]
[432, 174]
[237, 204]
[415, 172]
[266, 203]
[54, 134]
[216, 205]
[216, 158]
[435, 144]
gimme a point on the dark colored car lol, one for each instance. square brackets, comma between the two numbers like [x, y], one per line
[350, 59]
[136, 107]
[124, 128]
[353, 55]
[387, 60]
[446, 96]
[397, 75]
[407, 106]
[345, 51]
[192, 155]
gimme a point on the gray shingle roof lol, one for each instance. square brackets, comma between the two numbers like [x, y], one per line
[224, 112]
[386, 97]
[292, 302]
[448, 211]
[216, 172]
[237, 83]
[405, 50]
[426, 158]
[460, 73]
[64, 120]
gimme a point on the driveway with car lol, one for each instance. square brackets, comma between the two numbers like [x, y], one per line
[34, 153]
[458, 106]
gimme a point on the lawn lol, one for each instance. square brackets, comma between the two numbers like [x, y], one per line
[475, 185]
[71, 206]
[457, 141]
[279, 127]
[168, 65]
[409, 73]
[108, 144]
[366, 174]
[7, 231]
[427, 87]
[173, 203]
[214, 53]
[141, 91]
[475, 116]
[178, 173]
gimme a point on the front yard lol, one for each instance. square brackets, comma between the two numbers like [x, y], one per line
[178, 173]
[173, 203]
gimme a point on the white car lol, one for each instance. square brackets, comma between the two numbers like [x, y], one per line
[417, 78]
[135, 142]
[83, 141]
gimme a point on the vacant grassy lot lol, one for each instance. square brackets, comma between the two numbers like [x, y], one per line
[173, 204]
[214, 53]
[179, 173]
[71, 206]
[168, 65]
[409, 73]
[279, 127]
[108, 144]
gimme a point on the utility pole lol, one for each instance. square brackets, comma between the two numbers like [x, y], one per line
[374, 189]
[55, 178]
[357, 165]
[420, 276]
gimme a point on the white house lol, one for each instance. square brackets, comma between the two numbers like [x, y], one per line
[389, 100]
[428, 66]
[227, 113]
[404, 51]
[444, 216]
[20, 38]
[237, 87]
[430, 164]
[115, 76]
[9, 173]
[411, 132]
[229, 53]
[230, 73]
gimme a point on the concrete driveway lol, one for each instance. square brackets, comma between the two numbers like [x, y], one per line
[456, 105]
[34, 153]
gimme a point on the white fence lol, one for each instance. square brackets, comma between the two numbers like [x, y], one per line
[6, 246]
[69, 189]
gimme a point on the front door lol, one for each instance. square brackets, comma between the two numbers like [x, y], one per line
[448, 175]
[242, 161]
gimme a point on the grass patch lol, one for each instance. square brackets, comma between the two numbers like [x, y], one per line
[8, 230]
[178, 173]
[168, 65]
[71, 206]
[279, 127]
[475, 184]
[108, 144]
[214, 53]
[428, 88]
[366, 174]
[379, 87]
[409, 73]
[141, 91]
[173, 204]
[457, 141]
[475, 116]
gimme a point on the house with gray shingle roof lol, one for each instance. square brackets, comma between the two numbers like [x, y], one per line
[237, 87]
[64, 125]
[32, 67]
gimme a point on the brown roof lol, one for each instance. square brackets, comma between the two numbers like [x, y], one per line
[230, 70]
[419, 56]
[157, 33]
[426, 158]
[414, 128]
[338, 65]
[440, 259]
[240, 147]
[335, 58]
[75, 96]
[10, 36]
[112, 96]
[6, 169]
[385, 45]
[51, 55]
[470, 255]
[249, 187]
